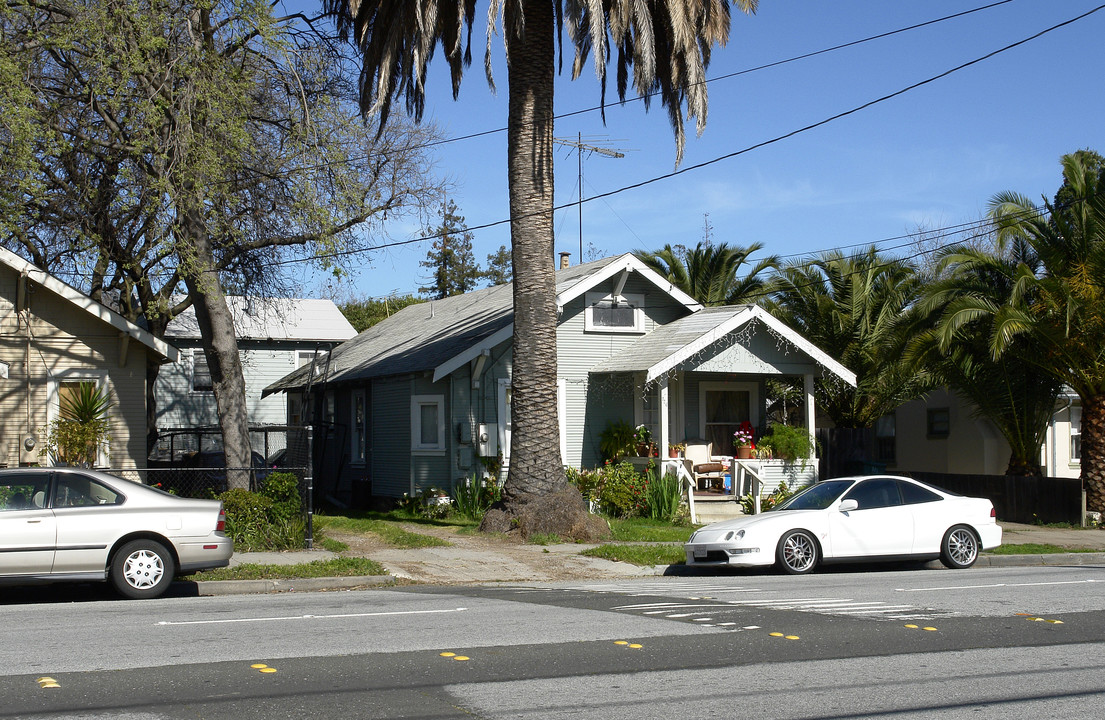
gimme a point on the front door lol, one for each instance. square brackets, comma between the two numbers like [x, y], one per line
[724, 406]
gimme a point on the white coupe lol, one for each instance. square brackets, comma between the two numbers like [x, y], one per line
[853, 519]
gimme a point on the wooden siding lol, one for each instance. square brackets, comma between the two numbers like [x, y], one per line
[432, 468]
[390, 434]
[588, 412]
[67, 345]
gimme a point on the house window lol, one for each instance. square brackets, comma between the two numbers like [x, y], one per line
[359, 424]
[428, 423]
[885, 434]
[201, 373]
[939, 422]
[614, 313]
[723, 407]
[306, 357]
[1075, 434]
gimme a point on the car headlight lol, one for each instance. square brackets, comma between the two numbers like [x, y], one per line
[738, 535]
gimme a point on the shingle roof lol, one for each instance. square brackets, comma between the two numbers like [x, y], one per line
[421, 337]
[297, 319]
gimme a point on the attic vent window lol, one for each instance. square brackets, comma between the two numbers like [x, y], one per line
[615, 313]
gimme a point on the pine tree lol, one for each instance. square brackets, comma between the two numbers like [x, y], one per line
[499, 267]
[454, 269]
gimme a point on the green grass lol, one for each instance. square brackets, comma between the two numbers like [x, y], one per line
[1036, 549]
[645, 530]
[334, 546]
[545, 539]
[335, 567]
[644, 555]
[387, 529]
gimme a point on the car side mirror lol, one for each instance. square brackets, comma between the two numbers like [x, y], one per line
[848, 505]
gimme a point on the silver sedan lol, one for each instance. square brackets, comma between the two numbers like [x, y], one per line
[70, 524]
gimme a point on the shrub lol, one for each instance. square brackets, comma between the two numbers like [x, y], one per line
[588, 482]
[618, 440]
[787, 443]
[474, 496]
[282, 488]
[623, 491]
[266, 520]
[663, 496]
[748, 502]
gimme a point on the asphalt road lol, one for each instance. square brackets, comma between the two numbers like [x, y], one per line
[986, 643]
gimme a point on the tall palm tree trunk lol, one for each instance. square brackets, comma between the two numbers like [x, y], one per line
[537, 498]
[1093, 461]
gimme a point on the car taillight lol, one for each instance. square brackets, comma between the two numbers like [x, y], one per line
[220, 526]
[993, 512]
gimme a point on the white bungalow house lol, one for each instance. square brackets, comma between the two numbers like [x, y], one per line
[417, 400]
[275, 336]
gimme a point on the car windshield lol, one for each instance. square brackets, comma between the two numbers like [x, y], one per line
[815, 497]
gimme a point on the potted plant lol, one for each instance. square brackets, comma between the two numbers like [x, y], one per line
[617, 441]
[77, 436]
[642, 435]
[675, 450]
[787, 443]
[742, 438]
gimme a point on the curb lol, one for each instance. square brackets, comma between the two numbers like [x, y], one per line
[208, 588]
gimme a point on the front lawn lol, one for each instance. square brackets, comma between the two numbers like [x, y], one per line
[1036, 549]
[645, 554]
[334, 567]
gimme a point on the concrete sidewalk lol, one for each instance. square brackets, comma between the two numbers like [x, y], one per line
[458, 565]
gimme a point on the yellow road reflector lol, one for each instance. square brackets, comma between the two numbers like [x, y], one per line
[775, 634]
[258, 666]
[911, 627]
[448, 654]
[49, 685]
[621, 642]
[1037, 619]
[47, 682]
[792, 637]
[1056, 622]
[636, 646]
[460, 657]
[930, 629]
[268, 670]
[45, 679]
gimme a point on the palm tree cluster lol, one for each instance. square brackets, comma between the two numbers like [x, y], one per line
[1006, 326]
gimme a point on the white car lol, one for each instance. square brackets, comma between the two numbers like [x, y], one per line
[79, 525]
[853, 519]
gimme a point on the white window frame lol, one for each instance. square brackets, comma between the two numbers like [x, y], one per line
[634, 300]
[53, 402]
[198, 352]
[358, 435]
[1075, 436]
[417, 403]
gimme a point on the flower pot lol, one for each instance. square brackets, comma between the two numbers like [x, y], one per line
[744, 452]
[673, 453]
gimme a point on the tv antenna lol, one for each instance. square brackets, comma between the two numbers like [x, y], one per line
[580, 146]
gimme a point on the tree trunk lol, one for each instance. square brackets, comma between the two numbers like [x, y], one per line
[1093, 451]
[220, 344]
[537, 497]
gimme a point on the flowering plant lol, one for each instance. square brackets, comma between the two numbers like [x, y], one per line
[642, 435]
[743, 435]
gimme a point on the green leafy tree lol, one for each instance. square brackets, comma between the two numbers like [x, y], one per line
[710, 273]
[664, 46]
[1061, 308]
[860, 310]
[1009, 390]
[184, 144]
[499, 267]
[450, 260]
[363, 314]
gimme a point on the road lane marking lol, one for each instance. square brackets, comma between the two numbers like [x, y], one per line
[998, 585]
[308, 617]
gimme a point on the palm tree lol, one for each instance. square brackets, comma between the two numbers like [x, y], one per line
[666, 45]
[708, 273]
[1010, 390]
[860, 310]
[1062, 308]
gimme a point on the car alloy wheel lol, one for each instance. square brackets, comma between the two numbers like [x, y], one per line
[797, 552]
[960, 548]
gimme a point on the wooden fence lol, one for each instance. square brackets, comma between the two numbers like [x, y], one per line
[1016, 499]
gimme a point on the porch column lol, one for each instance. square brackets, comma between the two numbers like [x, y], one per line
[811, 411]
[665, 432]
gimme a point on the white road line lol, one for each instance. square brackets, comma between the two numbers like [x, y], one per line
[997, 585]
[308, 617]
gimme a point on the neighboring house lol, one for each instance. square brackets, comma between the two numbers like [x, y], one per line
[418, 399]
[941, 433]
[275, 336]
[54, 337]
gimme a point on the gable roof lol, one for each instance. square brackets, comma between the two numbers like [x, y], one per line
[290, 319]
[88, 305]
[442, 335]
[668, 346]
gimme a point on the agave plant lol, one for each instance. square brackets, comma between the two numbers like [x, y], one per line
[75, 438]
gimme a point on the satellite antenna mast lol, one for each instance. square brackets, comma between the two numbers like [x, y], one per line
[580, 146]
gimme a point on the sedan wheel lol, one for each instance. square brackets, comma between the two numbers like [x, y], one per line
[797, 552]
[142, 569]
[960, 548]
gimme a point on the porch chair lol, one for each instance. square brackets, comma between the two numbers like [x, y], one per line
[704, 470]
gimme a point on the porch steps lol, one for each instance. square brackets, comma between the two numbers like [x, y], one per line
[713, 507]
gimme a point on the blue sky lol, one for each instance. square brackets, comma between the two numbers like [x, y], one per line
[931, 157]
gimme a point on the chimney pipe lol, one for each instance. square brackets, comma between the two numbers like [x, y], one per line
[564, 259]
